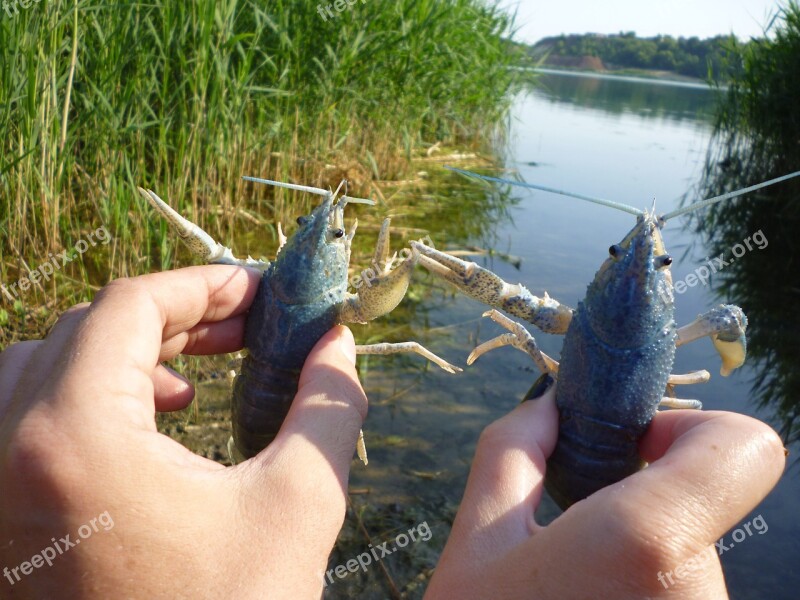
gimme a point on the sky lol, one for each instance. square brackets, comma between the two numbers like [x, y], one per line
[678, 18]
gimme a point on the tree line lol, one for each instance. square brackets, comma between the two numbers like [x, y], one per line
[691, 56]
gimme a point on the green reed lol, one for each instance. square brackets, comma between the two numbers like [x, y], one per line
[185, 97]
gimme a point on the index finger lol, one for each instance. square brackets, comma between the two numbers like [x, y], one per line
[708, 470]
[707, 456]
[124, 327]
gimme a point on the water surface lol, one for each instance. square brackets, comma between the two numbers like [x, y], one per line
[634, 142]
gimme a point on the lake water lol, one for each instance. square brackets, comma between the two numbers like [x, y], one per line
[631, 141]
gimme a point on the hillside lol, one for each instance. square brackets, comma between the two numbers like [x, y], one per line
[690, 57]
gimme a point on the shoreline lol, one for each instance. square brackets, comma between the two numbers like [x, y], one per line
[632, 75]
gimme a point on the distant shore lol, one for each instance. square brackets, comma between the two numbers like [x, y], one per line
[658, 57]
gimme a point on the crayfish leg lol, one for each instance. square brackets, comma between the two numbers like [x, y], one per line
[701, 376]
[681, 403]
[386, 348]
[520, 338]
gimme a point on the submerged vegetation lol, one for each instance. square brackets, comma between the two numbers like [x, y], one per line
[757, 137]
[187, 97]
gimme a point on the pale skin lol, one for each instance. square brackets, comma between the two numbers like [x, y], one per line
[78, 438]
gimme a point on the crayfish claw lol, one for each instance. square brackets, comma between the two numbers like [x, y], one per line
[725, 325]
[484, 286]
[200, 243]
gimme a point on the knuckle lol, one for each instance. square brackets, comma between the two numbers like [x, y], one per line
[132, 293]
[73, 313]
[652, 541]
[127, 287]
[491, 433]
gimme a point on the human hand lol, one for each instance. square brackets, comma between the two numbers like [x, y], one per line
[80, 455]
[707, 471]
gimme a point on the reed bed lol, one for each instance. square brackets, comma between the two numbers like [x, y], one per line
[185, 97]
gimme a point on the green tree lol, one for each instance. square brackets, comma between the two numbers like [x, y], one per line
[687, 56]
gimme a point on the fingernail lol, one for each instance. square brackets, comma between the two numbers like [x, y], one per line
[347, 344]
[177, 375]
[539, 389]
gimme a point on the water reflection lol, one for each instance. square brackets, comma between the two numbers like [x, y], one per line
[454, 214]
[423, 423]
[764, 283]
[650, 100]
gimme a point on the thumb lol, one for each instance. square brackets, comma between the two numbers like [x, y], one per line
[322, 426]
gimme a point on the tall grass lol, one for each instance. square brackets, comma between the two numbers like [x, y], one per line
[185, 97]
[757, 124]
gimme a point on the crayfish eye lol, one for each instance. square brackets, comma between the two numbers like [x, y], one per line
[302, 221]
[615, 250]
[337, 233]
[663, 261]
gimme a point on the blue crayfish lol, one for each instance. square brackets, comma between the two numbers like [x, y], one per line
[618, 350]
[302, 294]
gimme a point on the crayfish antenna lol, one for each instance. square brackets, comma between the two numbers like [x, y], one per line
[600, 201]
[351, 199]
[309, 189]
[728, 196]
[290, 186]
